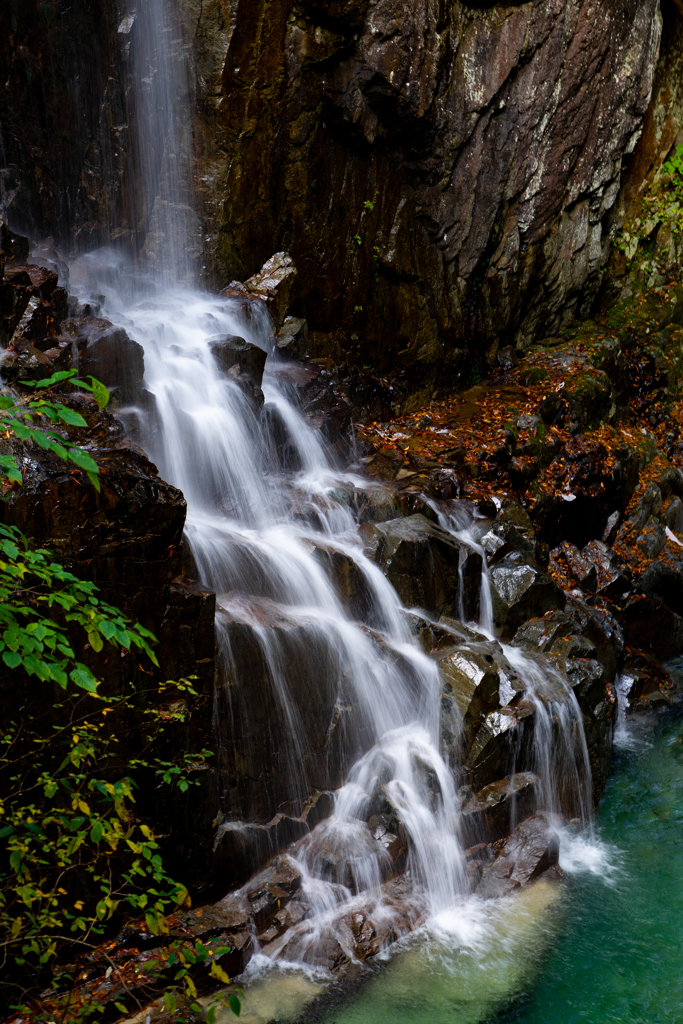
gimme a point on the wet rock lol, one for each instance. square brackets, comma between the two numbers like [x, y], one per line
[274, 283]
[572, 646]
[567, 563]
[611, 528]
[343, 852]
[649, 505]
[435, 636]
[519, 591]
[108, 354]
[422, 563]
[648, 680]
[613, 578]
[672, 514]
[376, 504]
[531, 849]
[507, 358]
[538, 635]
[368, 927]
[490, 754]
[671, 483]
[662, 580]
[490, 814]
[207, 922]
[41, 282]
[350, 583]
[475, 680]
[651, 626]
[652, 539]
[234, 354]
[292, 337]
[14, 247]
[377, 84]
[239, 846]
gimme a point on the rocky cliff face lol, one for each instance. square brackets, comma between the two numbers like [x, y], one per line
[444, 175]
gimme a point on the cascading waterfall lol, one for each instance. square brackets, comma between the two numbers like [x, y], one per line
[258, 559]
[259, 534]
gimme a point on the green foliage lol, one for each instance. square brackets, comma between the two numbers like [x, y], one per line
[674, 165]
[662, 204]
[73, 854]
[33, 585]
[75, 850]
[20, 418]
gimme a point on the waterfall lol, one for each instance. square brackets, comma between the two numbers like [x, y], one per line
[263, 562]
[260, 533]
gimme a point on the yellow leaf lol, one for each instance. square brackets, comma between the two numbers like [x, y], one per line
[146, 831]
[95, 639]
[83, 807]
[218, 972]
[191, 988]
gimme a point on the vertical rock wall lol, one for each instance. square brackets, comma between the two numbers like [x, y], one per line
[444, 175]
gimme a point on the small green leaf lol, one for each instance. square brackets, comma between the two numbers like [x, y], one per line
[83, 460]
[11, 659]
[235, 1004]
[83, 677]
[48, 382]
[74, 419]
[99, 393]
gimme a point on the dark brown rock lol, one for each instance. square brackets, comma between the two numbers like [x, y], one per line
[494, 810]
[239, 356]
[377, 103]
[108, 354]
[421, 561]
[521, 590]
[531, 849]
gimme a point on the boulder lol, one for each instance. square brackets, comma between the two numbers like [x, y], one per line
[491, 753]
[423, 562]
[234, 354]
[532, 848]
[490, 814]
[274, 283]
[108, 354]
[292, 338]
[521, 590]
[651, 626]
[344, 852]
[538, 635]
[14, 247]
[475, 680]
[663, 581]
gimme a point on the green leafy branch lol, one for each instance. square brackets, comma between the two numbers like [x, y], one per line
[20, 417]
[32, 584]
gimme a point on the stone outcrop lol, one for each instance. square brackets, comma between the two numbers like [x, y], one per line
[531, 850]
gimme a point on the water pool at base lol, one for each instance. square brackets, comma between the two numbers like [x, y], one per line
[619, 957]
[607, 948]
